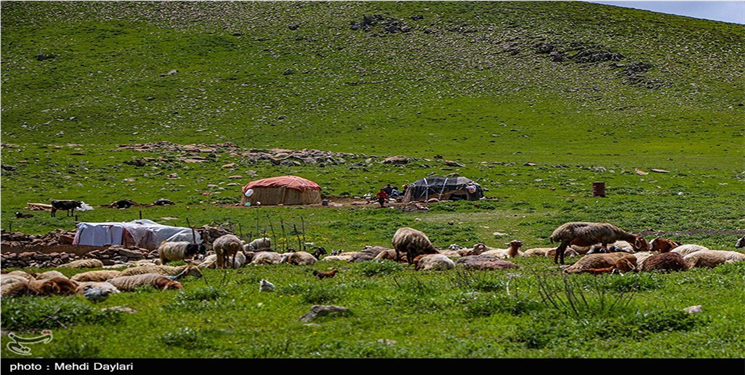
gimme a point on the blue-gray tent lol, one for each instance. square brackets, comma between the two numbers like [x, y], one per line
[443, 188]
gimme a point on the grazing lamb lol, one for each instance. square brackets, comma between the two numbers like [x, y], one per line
[266, 257]
[411, 242]
[227, 245]
[688, 249]
[186, 270]
[712, 258]
[602, 260]
[179, 250]
[98, 275]
[83, 263]
[156, 280]
[588, 234]
[664, 262]
[511, 252]
[298, 258]
[663, 245]
[433, 262]
[66, 205]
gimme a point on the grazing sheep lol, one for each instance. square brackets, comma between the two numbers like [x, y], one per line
[66, 205]
[179, 250]
[227, 245]
[588, 234]
[602, 260]
[186, 270]
[266, 257]
[298, 258]
[102, 285]
[411, 242]
[259, 244]
[156, 280]
[511, 252]
[83, 263]
[712, 258]
[688, 249]
[664, 262]
[98, 275]
[663, 245]
[433, 262]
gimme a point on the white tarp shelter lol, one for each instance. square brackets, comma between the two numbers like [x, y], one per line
[145, 234]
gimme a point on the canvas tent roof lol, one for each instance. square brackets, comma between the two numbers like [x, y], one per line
[443, 188]
[143, 233]
[281, 190]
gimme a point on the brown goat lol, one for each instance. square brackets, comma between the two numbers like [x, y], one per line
[663, 245]
[323, 275]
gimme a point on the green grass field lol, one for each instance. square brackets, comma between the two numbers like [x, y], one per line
[585, 92]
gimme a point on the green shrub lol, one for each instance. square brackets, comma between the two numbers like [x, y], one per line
[26, 313]
[73, 347]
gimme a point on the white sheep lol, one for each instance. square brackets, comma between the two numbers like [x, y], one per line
[97, 275]
[344, 257]
[434, 262]
[227, 245]
[688, 249]
[266, 257]
[187, 270]
[104, 285]
[298, 258]
[83, 263]
[50, 275]
[178, 250]
[411, 242]
[511, 252]
[156, 280]
[712, 258]
[259, 244]
[241, 259]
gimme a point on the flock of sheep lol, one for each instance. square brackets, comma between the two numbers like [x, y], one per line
[603, 247]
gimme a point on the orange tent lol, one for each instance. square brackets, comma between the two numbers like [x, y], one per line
[285, 190]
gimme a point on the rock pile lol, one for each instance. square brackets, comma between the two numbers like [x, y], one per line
[111, 255]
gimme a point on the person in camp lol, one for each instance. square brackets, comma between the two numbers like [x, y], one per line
[382, 197]
[388, 189]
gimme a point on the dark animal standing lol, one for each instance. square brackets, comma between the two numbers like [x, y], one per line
[588, 234]
[740, 243]
[66, 205]
[411, 242]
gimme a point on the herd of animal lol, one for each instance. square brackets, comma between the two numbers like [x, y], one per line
[603, 248]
